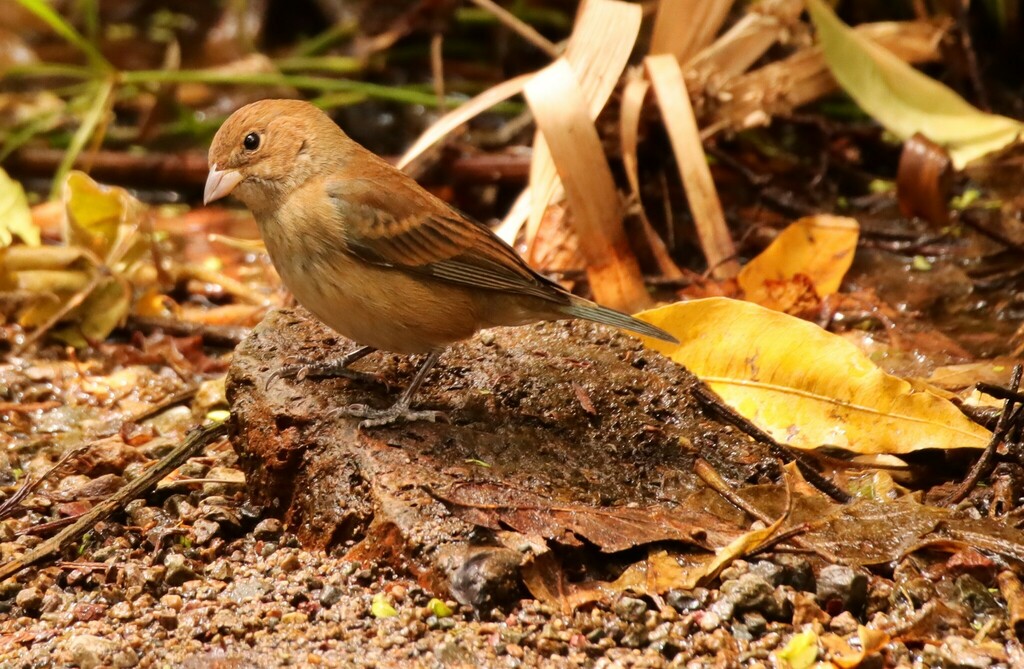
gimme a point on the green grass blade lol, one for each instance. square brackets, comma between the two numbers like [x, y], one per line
[100, 105]
[43, 10]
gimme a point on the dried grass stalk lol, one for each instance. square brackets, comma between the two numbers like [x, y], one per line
[764, 24]
[598, 51]
[684, 27]
[667, 80]
[778, 88]
[560, 109]
[462, 114]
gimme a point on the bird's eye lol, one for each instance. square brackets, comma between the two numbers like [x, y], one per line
[251, 142]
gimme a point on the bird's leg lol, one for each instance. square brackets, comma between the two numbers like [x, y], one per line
[400, 410]
[331, 368]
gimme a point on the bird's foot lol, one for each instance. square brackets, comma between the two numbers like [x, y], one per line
[321, 370]
[397, 413]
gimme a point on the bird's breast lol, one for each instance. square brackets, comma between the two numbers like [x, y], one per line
[388, 309]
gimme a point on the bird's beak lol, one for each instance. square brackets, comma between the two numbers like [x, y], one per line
[220, 183]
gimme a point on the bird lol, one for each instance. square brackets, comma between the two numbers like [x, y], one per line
[372, 254]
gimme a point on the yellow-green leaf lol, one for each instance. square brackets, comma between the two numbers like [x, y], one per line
[380, 607]
[104, 309]
[800, 652]
[903, 99]
[439, 608]
[98, 217]
[805, 386]
[15, 216]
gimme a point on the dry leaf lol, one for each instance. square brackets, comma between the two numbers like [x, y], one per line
[819, 247]
[844, 656]
[660, 572]
[15, 216]
[805, 386]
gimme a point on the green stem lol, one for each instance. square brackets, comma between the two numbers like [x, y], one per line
[93, 116]
[335, 64]
[44, 12]
[322, 84]
[50, 70]
[327, 39]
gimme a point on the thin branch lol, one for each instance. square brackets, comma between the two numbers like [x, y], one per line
[194, 442]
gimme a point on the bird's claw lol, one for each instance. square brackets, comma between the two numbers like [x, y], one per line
[396, 413]
[320, 370]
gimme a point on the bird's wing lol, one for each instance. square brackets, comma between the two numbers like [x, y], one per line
[406, 228]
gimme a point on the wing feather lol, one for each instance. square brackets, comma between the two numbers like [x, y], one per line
[411, 230]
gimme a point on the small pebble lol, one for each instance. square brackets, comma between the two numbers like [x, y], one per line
[268, 528]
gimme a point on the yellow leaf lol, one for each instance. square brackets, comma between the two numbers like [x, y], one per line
[98, 217]
[104, 309]
[805, 386]
[380, 607]
[15, 216]
[818, 247]
[800, 652]
[903, 99]
[439, 608]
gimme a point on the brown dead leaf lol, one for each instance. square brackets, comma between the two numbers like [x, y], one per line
[660, 572]
[611, 529]
[845, 656]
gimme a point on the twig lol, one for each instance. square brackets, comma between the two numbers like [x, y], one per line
[196, 440]
[963, 34]
[707, 473]
[164, 404]
[519, 27]
[226, 336]
[437, 67]
[710, 399]
[9, 505]
[1011, 414]
[1012, 591]
[184, 169]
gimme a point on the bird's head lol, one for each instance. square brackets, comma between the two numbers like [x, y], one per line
[267, 148]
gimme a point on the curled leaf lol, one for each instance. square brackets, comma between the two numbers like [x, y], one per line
[15, 216]
[903, 99]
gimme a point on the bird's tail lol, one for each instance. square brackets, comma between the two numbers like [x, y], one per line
[589, 311]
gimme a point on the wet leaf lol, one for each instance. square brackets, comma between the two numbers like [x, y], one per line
[15, 216]
[609, 528]
[660, 572]
[739, 547]
[819, 248]
[805, 386]
[903, 99]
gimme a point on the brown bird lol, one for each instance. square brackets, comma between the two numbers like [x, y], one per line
[371, 253]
